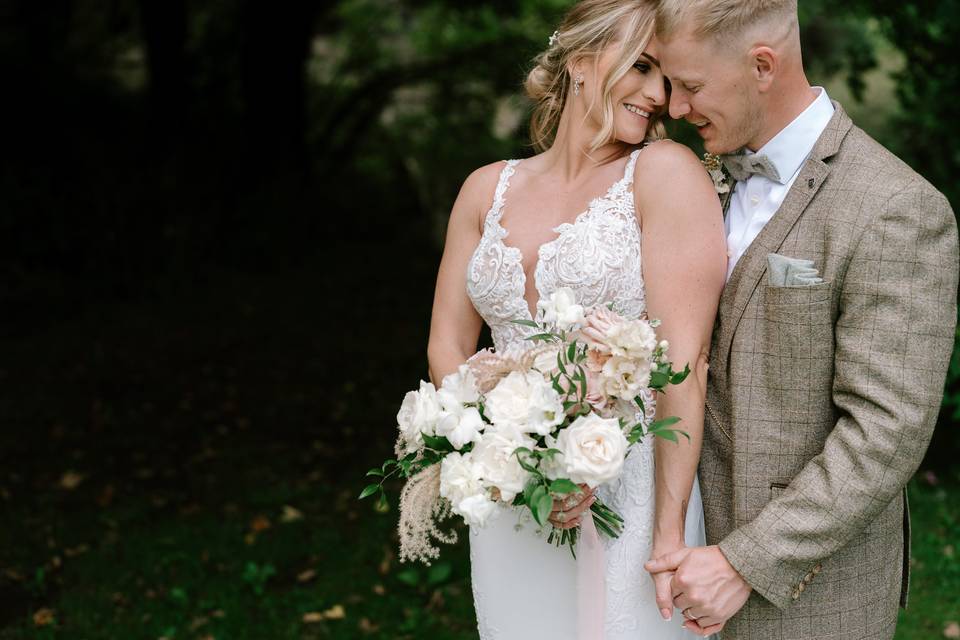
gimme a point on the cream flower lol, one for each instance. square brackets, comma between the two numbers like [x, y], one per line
[418, 415]
[561, 309]
[624, 377]
[460, 483]
[525, 402]
[499, 467]
[592, 449]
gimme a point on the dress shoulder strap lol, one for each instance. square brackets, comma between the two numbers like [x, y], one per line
[498, 197]
[631, 166]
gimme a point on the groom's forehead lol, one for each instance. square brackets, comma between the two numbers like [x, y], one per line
[687, 54]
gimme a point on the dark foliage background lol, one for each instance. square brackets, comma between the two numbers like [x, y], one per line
[220, 222]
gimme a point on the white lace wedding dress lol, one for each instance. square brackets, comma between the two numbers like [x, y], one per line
[523, 587]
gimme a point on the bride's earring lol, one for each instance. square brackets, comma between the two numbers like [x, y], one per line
[576, 84]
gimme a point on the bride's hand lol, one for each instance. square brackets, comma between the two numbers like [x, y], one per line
[662, 583]
[568, 510]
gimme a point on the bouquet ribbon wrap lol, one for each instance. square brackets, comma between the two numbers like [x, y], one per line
[591, 582]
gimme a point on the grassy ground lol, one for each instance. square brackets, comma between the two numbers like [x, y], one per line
[187, 468]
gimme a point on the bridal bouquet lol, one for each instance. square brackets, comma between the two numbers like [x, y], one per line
[528, 425]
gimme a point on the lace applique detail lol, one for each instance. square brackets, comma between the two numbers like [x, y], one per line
[597, 255]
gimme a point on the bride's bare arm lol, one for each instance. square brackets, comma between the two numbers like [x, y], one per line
[684, 268]
[455, 324]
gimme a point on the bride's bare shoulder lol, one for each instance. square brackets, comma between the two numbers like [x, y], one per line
[668, 157]
[666, 169]
[478, 189]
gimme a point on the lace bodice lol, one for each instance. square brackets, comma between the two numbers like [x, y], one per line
[597, 255]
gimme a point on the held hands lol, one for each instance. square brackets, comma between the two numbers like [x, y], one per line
[703, 585]
[567, 511]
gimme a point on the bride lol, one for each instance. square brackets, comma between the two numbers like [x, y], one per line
[619, 215]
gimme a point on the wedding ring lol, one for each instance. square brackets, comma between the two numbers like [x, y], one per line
[562, 516]
[687, 615]
[570, 502]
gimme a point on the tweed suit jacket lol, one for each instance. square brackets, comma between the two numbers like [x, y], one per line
[821, 400]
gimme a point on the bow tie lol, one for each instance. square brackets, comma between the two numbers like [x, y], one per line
[741, 166]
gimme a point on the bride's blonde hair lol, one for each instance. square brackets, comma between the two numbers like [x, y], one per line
[588, 29]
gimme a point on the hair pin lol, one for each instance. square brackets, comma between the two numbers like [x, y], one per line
[554, 38]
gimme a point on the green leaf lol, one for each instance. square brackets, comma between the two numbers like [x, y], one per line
[658, 380]
[560, 366]
[663, 424]
[536, 499]
[677, 378]
[571, 351]
[438, 443]
[439, 572]
[666, 434]
[526, 323]
[563, 486]
[546, 337]
[370, 489]
[543, 505]
[374, 472]
[409, 576]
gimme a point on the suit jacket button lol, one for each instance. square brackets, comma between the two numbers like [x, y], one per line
[808, 578]
[811, 182]
[817, 569]
[796, 594]
[801, 587]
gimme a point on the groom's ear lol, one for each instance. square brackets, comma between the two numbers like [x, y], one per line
[765, 64]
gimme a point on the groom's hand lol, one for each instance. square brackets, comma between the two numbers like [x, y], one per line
[705, 587]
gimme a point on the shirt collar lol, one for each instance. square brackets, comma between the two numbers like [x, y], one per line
[789, 149]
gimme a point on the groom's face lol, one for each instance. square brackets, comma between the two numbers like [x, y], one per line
[711, 88]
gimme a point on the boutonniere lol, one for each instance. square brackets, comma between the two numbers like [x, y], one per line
[720, 177]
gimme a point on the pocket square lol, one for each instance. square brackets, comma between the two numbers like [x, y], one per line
[791, 272]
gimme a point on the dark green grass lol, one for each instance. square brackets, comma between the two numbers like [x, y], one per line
[192, 426]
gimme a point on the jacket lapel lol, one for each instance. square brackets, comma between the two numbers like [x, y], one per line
[753, 264]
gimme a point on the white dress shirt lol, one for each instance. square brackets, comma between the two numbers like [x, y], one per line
[755, 200]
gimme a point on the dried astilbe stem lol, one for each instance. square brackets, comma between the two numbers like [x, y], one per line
[421, 508]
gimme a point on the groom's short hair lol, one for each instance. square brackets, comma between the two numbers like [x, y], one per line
[725, 19]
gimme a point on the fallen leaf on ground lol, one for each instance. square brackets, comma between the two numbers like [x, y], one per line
[70, 480]
[44, 617]
[368, 627]
[260, 523]
[306, 576]
[106, 496]
[335, 612]
[290, 514]
[952, 630]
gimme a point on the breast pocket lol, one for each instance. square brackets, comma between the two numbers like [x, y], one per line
[799, 320]
[797, 328]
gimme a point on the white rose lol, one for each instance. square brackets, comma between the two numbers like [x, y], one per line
[546, 361]
[459, 424]
[593, 449]
[459, 477]
[418, 415]
[561, 309]
[462, 385]
[624, 377]
[633, 339]
[498, 465]
[475, 510]
[525, 402]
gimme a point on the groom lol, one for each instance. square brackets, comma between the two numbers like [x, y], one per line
[830, 348]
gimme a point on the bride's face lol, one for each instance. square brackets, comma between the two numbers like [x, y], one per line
[637, 97]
